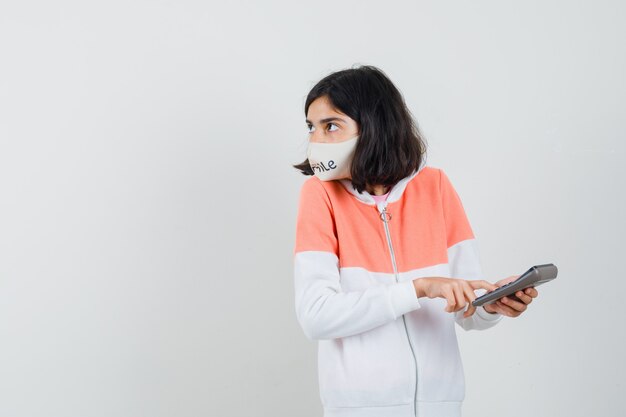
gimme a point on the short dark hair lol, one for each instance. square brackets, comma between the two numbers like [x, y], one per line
[390, 145]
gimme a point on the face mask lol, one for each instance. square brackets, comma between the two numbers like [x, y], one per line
[331, 161]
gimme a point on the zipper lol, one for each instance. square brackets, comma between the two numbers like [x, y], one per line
[385, 217]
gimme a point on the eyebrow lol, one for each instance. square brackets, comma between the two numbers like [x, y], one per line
[328, 119]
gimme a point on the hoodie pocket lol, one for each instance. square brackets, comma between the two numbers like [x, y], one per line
[374, 368]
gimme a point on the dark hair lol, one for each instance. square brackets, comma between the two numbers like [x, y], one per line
[390, 145]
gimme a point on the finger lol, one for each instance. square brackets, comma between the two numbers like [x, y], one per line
[507, 280]
[513, 297]
[525, 298]
[515, 305]
[481, 283]
[497, 307]
[506, 310]
[454, 296]
[469, 294]
[460, 297]
[532, 292]
[448, 294]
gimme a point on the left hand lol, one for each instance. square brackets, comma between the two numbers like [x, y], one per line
[512, 306]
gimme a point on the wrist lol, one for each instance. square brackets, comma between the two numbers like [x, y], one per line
[417, 284]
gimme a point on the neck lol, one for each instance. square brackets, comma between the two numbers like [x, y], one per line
[377, 189]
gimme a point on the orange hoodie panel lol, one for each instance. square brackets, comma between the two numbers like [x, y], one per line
[427, 219]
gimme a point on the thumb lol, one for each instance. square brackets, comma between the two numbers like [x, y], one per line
[507, 280]
[481, 283]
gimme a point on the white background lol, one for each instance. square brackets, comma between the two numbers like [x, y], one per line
[148, 203]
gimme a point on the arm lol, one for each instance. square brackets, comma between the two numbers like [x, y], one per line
[463, 256]
[323, 310]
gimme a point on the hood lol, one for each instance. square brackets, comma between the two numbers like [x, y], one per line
[394, 194]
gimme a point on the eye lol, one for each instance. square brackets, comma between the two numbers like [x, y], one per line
[309, 127]
[332, 124]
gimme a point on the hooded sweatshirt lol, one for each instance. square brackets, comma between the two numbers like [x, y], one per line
[382, 351]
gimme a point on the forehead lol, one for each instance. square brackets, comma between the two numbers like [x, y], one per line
[322, 108]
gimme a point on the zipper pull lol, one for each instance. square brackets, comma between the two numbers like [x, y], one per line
[384, 214]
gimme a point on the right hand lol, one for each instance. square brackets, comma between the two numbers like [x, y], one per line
[458, 292]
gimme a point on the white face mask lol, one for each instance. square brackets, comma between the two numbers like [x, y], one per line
[331, 161]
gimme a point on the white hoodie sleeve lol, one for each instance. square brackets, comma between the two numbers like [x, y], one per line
[323, 310]
[463, 256]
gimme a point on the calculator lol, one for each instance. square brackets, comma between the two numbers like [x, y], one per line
[535, 276]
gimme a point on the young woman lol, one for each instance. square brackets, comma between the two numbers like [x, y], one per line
[385, 260]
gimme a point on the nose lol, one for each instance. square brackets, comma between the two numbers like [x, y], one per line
[316, 137]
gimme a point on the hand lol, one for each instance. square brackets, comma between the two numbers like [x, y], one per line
[512, 306]
[458, 292]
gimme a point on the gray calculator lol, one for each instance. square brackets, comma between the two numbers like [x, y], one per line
[536, 275]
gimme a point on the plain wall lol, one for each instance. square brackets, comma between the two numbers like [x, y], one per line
[148, 203]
